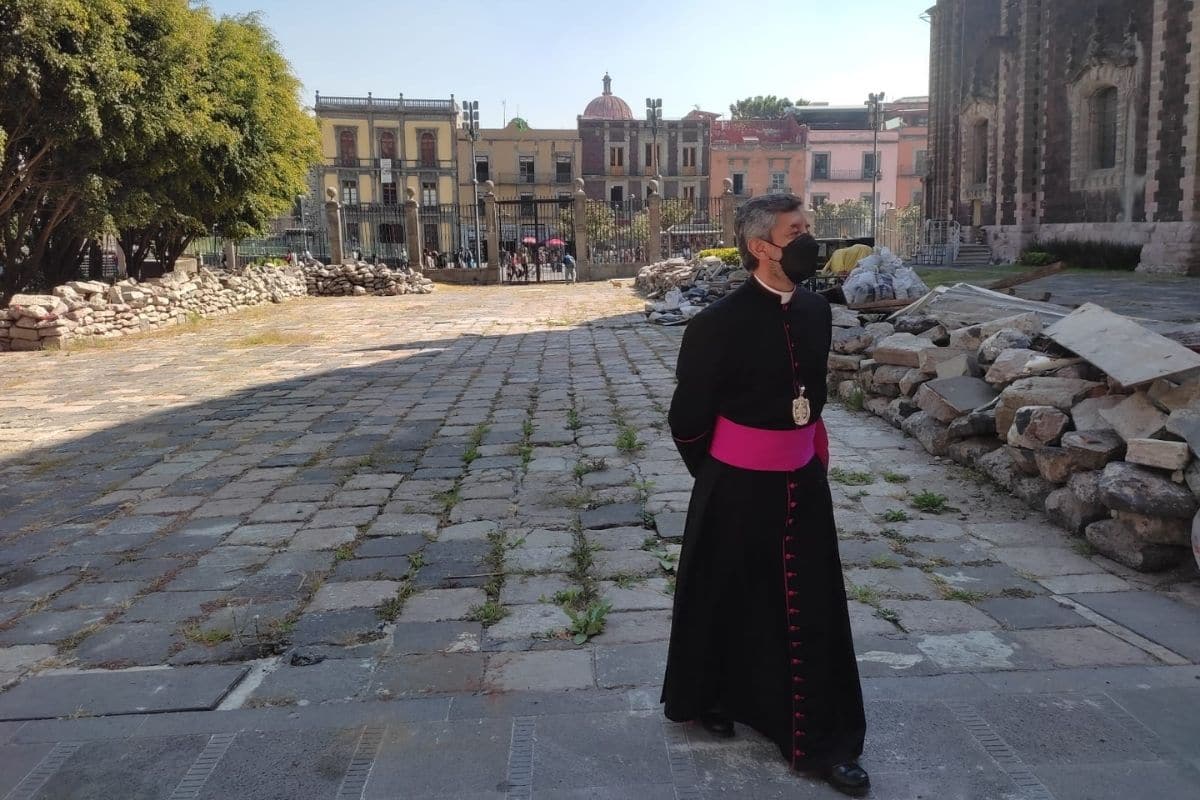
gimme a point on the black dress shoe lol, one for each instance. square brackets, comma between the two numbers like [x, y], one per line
[717, 724]
[849, 778]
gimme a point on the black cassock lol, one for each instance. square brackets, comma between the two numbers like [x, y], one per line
[760, 627]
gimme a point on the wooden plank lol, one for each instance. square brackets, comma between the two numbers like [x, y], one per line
[1027, 277]
[1123, 349]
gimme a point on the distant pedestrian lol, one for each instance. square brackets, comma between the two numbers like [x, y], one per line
[568, 268]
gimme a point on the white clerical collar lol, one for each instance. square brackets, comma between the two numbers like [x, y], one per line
[784, 297]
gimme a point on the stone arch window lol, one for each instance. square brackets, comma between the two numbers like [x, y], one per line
[348, 148]
[428, 149]
[1105, 113]
[979, 151]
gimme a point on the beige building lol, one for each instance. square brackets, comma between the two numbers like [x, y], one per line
[523, 162]
[373, 149]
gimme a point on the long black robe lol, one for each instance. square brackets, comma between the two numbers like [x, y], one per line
[761, 629]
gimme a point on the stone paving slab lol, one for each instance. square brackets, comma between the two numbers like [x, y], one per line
[137, 692]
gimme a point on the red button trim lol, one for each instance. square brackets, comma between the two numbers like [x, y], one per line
[791, 574]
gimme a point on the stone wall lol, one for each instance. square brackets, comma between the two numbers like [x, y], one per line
[1120, 467]
[486, 276]
[90, 309]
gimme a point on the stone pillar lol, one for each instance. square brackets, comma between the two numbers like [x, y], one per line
[1189, 206]
[1155, 52]
[230, 254]
[583, 256]
[333, 223]
[654, 246]
[413, 235]
[491, 221]
[727, 214]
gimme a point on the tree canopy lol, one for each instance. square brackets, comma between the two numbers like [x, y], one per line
[763, 107]
[150, 119]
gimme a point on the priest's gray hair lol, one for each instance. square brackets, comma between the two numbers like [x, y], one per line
[755, 219]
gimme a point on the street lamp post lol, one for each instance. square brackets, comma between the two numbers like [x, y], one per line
[875, 103]
[654, 117]
[471, 119]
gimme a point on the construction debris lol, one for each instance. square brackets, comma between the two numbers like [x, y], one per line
[1124, 350]
[677, 289]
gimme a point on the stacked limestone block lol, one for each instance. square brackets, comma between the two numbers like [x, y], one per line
[360, 278]
[1119, 466]
[82, 309]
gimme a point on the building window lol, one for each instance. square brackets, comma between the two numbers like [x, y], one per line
[920, 160]
[819, 200]
[1104, 128]
[349, 193]
[918, 197]
[429, 194]
[820, 166]
[525, 172]
[689, 193]
[526, 204]
[562, 169]
[779, 182]
[979, 152]
[347, 149]
[616, 156]
[391, 233]
[739, 183]
[564, 200]
[616, 195]
[432, 240]
[689, 156]
[483, 170]
[387, 145]
[869, 166]
[428, 149]
[389, 194]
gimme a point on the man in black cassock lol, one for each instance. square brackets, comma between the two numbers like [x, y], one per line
[761, 631]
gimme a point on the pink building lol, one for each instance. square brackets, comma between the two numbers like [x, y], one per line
[759, 156]
[841, 163]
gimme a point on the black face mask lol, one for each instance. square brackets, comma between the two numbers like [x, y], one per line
[799, 259]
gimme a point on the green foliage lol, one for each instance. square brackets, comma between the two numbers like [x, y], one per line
[590, 621]
[848, 478]
[488, 613]
[857, 400]
[930, 502]
[728, 255]
[588, 465]
[153, 120]
[896, 515]
[1037, 258]
[1093, 255]
[574, 423]
[895, 477]
[883, 561]
[763, 107]
[627, 440]
[863, 594]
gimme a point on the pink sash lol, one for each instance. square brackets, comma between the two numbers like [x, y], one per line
[762, 450]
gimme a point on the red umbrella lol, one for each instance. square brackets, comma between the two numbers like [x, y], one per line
[555, 242]
[529, 240]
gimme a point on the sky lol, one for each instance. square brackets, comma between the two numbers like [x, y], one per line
[545, 60]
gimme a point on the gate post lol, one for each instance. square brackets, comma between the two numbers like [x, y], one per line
[727, 227]
[413, 235]
[654, 246]
[493, 230]
[583, 254]
[333, 223]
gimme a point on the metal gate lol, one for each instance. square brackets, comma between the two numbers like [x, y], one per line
[534, 236]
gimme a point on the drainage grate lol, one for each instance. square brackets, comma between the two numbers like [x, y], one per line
[32, 783]
[679, 757]
[520, 759]
[203, 768]
[354, 782]
[1031, 787]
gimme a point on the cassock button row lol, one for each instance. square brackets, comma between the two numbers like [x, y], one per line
[790, 520]
[791, 574]
[797, 662]
[792, 593]
[800, 753]
[799, 715]
[792, 484]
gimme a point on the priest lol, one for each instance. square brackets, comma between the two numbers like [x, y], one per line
[761, 631]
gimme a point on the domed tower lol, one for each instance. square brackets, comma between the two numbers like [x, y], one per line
[607, 105]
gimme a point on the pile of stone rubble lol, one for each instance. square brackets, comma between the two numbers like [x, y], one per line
[361, 278]
[1086, 415]
[676, 289]
[82, 309]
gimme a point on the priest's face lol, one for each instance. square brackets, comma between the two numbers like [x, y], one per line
[788, 226]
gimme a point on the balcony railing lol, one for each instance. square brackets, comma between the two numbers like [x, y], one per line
[397, 164]
[537, 178]
[383, 103]
[843, 175]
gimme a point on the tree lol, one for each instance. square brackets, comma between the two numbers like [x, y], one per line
[763, 107]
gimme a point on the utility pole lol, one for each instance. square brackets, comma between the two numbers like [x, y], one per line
[654, 117]
[471, 120]
[875, 104]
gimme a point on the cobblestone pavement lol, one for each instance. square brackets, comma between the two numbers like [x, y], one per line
[354, 529]
[1161, 297]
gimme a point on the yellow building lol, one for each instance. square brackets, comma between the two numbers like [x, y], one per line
[373, 148]
[523, 162]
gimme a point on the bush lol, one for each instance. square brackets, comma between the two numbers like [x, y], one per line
[1037, 258]
[728, 255]
[1094, 255]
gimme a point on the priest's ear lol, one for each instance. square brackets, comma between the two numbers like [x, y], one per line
[762, 250]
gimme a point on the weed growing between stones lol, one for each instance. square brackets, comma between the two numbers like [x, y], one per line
[857, 399]
[209, 638]
[416, 561]
[271, 339]
[587, 466]
[494, 563]
[489, 613]
[590, 621]
[343, 553]
[627, 441]
[574, 423]
[948, 592]
[390, 609]
[1083, 547]
[848, 478]
[930, 502]
[882, 561]
[896, 515]
[625, 580]
[863, 594]
[895, 477]
[568, 597]
[473, 443]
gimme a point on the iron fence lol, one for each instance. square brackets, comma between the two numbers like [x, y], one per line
[534, 235]
[690, 225]
[618, 232]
